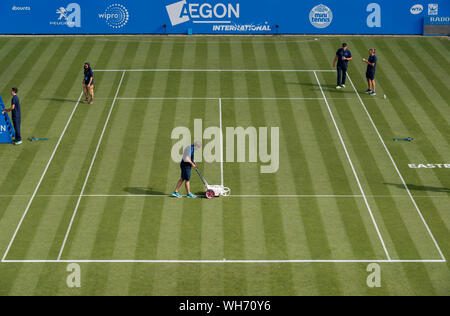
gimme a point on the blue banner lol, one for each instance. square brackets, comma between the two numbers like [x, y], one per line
[218, 16]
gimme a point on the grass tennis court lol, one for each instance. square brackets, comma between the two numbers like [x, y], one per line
[344, 195]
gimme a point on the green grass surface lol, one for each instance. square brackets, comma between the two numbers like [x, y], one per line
[322, 215]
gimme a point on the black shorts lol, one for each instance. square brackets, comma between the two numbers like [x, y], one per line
[370, 75]
[185, 172]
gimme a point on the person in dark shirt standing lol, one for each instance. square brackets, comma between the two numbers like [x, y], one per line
[343, 55]
[370, 72]
[88, 83]
[187, 162]
[15, 115]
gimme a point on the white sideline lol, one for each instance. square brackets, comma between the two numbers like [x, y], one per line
[214, 70]
[398, 171]
[42, 178]
[353, 168]
[90, 169]
[224, 261]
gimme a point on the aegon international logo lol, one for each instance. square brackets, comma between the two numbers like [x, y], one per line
[416, 9]
[115, 15]
[69, 16]
[181, 12]
[321, 16]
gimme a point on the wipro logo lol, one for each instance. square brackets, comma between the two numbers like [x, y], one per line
[181, 12]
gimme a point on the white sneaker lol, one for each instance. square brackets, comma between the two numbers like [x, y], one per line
[18, 143]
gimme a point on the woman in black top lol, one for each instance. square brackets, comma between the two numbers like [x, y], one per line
[88, 83]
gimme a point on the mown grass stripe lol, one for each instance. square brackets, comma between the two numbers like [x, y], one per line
[191, 234]
[415, 90]
[403, 111]
[393, 225]
[234, 280]
[148, 230]
[125, 243]
[437, 47]
[317, 241]
[120, 130]
[15, 59]
[275, 236]
[166, 243]
[34, 219]
[314, 224]
[431, 83]
[436, 62]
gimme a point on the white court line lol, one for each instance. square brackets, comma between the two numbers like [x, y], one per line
[353, 168]
[215, 70]
[224, 261]
[398, 171]
[209, 98]
[234, 195]
[90, 169]
[221, 142]
[42, 178]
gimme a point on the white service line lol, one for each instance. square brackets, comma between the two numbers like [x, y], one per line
[209, 98]
[221, 142]
[225, 261]
[353, 168]
[42, 178]
[215, 70]
[398, 171]
[90, 169]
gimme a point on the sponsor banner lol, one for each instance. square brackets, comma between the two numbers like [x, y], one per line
[437, 20]
[218, 16]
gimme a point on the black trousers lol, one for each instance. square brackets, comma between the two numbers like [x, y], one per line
[16, 122]
[341, 75]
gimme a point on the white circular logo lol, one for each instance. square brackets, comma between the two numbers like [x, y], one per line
[416, 9]
[321, 16]
[116, 15]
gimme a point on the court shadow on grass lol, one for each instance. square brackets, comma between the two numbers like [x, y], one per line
[414, 187]
[201, 194]
[143, 191]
